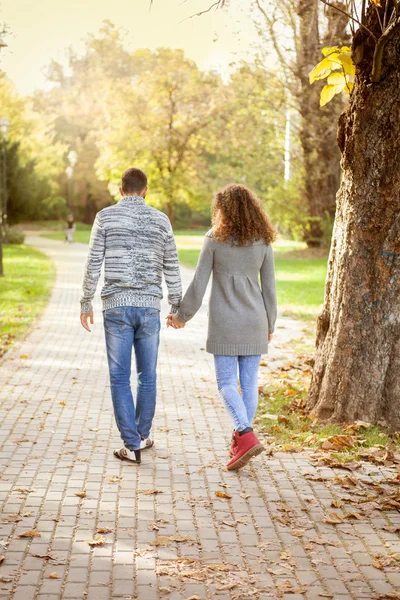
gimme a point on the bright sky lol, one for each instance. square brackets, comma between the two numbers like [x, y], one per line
[42, 30]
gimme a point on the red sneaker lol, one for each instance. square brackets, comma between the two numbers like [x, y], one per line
[233, 446]
[247, 446]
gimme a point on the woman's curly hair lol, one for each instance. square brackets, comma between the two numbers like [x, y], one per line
[238, 217]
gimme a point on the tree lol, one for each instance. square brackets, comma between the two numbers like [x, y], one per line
[34, 159]
[76, 106]
[357, 360]
[168, 116]
[295, 29]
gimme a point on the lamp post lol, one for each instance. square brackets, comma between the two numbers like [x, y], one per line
[70, 170]
[2, 45]
[4, 126]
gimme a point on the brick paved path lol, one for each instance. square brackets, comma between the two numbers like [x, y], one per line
[268, 541]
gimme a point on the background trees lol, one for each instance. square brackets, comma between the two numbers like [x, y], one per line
[191, 131]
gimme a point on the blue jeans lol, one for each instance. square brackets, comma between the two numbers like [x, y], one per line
[126, 327]
[241, 405]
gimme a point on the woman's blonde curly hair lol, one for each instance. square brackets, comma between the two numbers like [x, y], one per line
[238, 217]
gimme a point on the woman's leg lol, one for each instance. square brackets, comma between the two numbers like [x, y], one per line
[248, 374]
[226, 369]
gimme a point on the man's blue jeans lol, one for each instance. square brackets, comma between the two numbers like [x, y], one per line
[126, 327]
[241, 406]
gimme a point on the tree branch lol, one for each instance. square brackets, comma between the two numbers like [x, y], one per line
[349, 16]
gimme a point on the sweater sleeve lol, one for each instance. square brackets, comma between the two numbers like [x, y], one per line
[93, 265]
[193, 298]
[172, 273]
[268, 287]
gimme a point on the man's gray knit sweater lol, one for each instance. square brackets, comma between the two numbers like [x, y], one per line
[137, 245]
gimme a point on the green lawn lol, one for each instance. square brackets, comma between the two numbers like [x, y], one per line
[24, 290]
[82, 233]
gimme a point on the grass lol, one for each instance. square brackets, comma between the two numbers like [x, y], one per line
[281, 417]
[82, 233]
[24, 291]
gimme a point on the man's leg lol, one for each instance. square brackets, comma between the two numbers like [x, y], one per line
[119, 334]
[147, 339]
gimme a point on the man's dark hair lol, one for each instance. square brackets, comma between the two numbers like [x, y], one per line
[133, 181]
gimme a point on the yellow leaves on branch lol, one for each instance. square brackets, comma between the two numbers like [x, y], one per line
[338, 68]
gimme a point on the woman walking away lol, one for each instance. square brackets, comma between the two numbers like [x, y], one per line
[242, 315]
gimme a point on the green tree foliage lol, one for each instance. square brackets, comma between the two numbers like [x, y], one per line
[33, 159]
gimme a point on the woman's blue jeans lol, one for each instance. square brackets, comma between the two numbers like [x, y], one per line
[242, 405]
[126, 327]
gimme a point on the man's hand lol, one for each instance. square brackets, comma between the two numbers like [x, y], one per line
[270, 335]
[173, 321]
[84, 320]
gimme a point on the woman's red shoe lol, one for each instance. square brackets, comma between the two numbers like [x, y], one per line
[245, 447]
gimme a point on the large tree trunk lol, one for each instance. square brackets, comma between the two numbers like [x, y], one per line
[357, 364]
[318, 131]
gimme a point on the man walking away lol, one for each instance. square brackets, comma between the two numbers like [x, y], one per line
[137, 245]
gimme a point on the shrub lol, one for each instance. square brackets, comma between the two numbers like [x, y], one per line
[15, 235]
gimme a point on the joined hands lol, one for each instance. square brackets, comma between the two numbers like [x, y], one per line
[173, 321]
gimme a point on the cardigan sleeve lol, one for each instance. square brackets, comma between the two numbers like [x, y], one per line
[193, 298]
[268, 287]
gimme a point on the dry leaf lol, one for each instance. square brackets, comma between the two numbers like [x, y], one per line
[160, 541]
[164, 591]
[227, 586]
[81, 494]
[2, 557]
[53, 575]
[24, 356]
[297, 532]
[31, 533]
[98, 540]
[62, 402]
[333, 518]
[337, 503]
[220, 494]
[104, 530]
[150, 492]
[115, 478]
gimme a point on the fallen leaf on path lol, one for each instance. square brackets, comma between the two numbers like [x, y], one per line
[164, 591]
[53, 575]
[24, 356]
[81, 494]
[2, 557]
[337, 503]
[115, 478]
[104, 530]
[98, 540]
[31, 533]
[333, 518]
[220, 494]
[150, 492]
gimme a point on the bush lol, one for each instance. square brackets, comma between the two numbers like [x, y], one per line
[15, 235]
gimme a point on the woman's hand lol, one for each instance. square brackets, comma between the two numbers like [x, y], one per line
[173, 321]
[270, 335]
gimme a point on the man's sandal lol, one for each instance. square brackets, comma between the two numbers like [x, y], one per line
[132, 456]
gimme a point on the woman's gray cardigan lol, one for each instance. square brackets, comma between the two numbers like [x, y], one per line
[241, 313]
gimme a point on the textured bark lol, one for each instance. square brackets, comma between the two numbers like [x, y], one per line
[357, 363]
[318, 132]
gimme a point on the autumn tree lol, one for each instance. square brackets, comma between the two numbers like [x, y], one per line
[167, 111]
[296, 31]
[357, 358]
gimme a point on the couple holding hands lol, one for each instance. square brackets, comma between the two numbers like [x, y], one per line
[137, 246]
